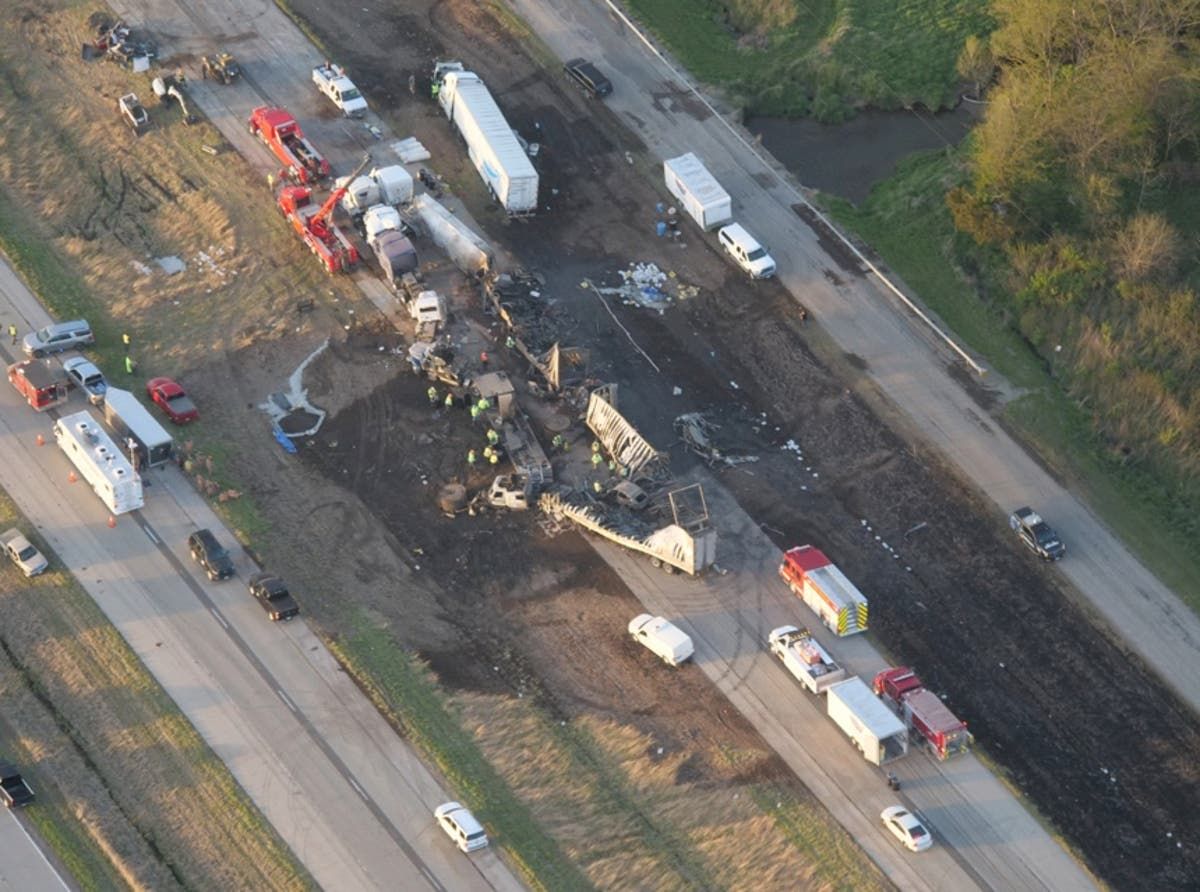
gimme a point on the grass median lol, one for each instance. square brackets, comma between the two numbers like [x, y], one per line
[129, 794]
[906, 221]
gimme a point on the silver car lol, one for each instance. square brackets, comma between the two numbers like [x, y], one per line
[84, 374]
[58, 337]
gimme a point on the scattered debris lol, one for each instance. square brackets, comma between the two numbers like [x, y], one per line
[410, 150]
[170, 264]
[697, 430]
[291, 411]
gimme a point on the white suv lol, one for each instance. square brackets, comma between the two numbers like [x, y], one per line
[460, 825]
[745, 249]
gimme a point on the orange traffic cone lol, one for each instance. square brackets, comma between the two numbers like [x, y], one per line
[112, 521]
[71, 477]
[41, 441]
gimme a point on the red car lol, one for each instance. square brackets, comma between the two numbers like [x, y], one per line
[171, 397]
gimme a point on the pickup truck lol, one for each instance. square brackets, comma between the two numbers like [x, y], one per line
[1037, 535]
[332, 81]
[14, 789]
[84, 374]
[22, 552]
[271, 592]
[171, 398]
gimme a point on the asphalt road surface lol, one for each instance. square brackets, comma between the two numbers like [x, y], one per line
[24, 868]
[347, 795]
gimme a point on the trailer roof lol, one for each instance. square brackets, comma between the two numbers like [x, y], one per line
[96, 444]
[136, 417]
[491, 122]
[932, 711]
[869, 708]
[696, 176]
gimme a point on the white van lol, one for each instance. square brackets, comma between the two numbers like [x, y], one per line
[665, 640]
[745, 249]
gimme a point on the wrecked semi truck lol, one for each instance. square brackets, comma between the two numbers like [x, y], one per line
[491, 144]
[698, 191]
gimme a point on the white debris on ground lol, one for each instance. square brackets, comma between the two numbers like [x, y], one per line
[209, 262]
[295, 399]
[410, 150]
[645, 285]
[170, 264]
[140, 268]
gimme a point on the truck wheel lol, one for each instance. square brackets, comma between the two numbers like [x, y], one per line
[654, 562]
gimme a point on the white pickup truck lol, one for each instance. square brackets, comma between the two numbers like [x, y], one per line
[805, 658]
[332, 81]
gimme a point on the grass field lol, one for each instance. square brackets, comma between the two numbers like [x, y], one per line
[579, 804]
[128, 793]
[906, 221]
[824, 57]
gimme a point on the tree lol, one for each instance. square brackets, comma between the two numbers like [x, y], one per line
[1147, 247]
[976, 63]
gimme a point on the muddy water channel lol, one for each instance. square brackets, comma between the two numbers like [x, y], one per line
[848, 159]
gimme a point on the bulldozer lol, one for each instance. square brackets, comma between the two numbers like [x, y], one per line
[220, 67]
[170, 86]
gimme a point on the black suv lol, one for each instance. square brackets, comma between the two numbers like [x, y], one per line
[1037, 535]
[272, 593]
[208, 553]
[585, 74]
[14, 789]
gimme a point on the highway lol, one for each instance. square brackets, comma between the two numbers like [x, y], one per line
[342, 789]
[25, 867]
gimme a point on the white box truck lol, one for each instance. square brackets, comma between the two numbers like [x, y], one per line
[874, 729]
[100, 462]
[810, 663]
[491, 144]
[129, 419]
[698, 191]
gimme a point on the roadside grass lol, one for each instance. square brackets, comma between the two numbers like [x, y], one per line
[824, 57]
[906, 221]
[127, 788]
[590, 802]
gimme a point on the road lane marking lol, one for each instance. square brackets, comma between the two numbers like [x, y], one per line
[361, 791]
[287, 701]
[217, 616]
[150, 533]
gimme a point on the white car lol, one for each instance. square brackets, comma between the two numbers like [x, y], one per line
[460, 825]
[22, 553]
[746, 251]
[906, 828]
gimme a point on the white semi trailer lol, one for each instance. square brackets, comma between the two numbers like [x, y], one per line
[491, 144]
[100, 462]
[874, 729]
[698, 191]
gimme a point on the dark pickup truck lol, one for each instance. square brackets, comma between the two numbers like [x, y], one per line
[272, 593]
[13, 788]
[209, 554]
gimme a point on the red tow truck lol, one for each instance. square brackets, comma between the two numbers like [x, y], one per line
[43, 385]
[315, 224]
[923, 711]
[283, 136]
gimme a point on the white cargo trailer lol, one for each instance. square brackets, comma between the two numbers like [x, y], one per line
[100, 462]
[491, 143]
[698, 191]
[129, 419]
[469, 251]
[875, 730]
